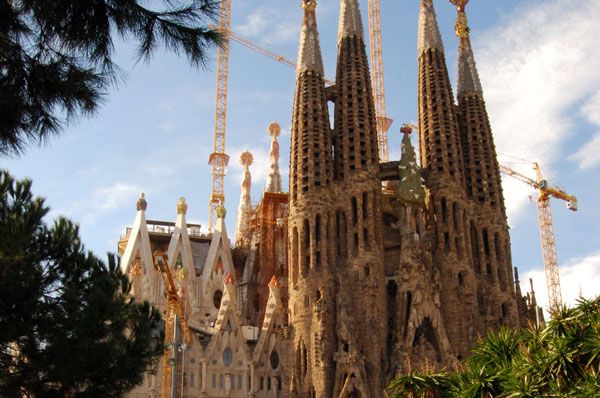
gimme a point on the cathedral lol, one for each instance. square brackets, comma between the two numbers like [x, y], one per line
[362, 270]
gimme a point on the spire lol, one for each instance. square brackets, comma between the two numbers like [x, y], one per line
[245, 208]
[429, 33]
[411, 188]
[480, 161]
[517, 282]
[309, 52]
[355, 129]
[310, 154]
[438, 126]
[532, 294]
[350, 22]
[468, 78]
[274, 179]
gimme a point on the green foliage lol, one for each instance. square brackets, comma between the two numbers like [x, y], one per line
[67, 324]
[560, 360]
[56, 56]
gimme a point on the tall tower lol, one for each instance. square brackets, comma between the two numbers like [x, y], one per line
[274, 179]
[358, 237]
[442, 161]
[488, 227]
[244, 212]
[311, 281]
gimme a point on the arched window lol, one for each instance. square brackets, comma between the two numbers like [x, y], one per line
[217, 296]
[274, 359]
[227, 357]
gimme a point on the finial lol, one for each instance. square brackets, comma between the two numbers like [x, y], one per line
[274, 129]
[274, 281]
[181, 206]
[309, 5]
[141, 203]
[406, 128]
[461, 27]
[246, 158]
[221, 212]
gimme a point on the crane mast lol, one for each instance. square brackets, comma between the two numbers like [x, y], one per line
[377, 78]
[218, 159]
[547, 237]
[175, 326]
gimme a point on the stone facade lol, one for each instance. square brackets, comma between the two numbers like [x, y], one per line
[339, 285]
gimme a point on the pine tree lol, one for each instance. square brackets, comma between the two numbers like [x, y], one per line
[67, 324]
[56, 56]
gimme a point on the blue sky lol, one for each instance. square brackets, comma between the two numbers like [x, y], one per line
[538, 62]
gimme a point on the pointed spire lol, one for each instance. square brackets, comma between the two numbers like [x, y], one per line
[468, 78]
[350, 22]
[355, 128]
[532, 294]
[429, 32]
[411, 188]
[310, 156]
[309, 52]
[274, 179]
[517, 282]
[245, 208]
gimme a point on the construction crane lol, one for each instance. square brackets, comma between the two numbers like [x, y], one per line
[175, 323]
[377, 78]
[264, 51]
[219, 159]
[546, 227]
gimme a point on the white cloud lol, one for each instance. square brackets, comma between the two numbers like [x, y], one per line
[270, 26]
[106, 199]
[580, 275]
[589, 155]
[256, 23]
[536, 67]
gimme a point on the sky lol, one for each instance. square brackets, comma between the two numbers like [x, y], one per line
[538, 61]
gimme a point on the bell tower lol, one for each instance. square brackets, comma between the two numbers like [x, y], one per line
[312, 268]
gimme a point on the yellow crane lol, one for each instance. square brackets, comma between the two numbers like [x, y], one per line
[545, 192]
[377, 78]
[218, 159]
[264, 51]
[175, 323]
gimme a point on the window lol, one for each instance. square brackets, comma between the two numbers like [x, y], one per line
[227, 357]
[217, 299]
[274, 359]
